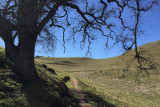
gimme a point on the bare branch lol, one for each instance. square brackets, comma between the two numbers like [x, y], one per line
[48, 17]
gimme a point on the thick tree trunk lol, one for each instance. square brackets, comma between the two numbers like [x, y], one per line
[24, 63]
[24, 66]
[23, 58]
[26, 28]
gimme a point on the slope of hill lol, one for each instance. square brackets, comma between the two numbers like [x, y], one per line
[116, 80]
[49, 91]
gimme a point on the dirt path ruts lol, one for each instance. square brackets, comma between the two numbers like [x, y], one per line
[78, 93]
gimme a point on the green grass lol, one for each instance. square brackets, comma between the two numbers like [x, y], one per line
[50, 90]
[117, 81]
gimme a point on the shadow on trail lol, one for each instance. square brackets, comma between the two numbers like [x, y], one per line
[93, 99]
[39, 96]
[100, 102]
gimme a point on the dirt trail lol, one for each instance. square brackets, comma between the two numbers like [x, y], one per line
[78, 93]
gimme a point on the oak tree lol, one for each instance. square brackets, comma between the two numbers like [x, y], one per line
[33, 21]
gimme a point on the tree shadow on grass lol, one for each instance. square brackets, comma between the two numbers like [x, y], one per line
[98, 101]
[63, 64]
[42, 94]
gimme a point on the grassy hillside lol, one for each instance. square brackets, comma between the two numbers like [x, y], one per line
[49, 91]
[115, 80]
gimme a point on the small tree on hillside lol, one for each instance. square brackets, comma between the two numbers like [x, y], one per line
[34, 21]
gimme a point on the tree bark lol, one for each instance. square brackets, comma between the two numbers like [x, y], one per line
[24, 62]
[24, 66]
[23, 58]
[10, 51]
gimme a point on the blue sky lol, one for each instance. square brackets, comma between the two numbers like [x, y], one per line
[151, 26]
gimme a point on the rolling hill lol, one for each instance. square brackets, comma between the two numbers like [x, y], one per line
[117, 80]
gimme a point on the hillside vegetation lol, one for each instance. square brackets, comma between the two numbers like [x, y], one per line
[117, 80]
[49, 91]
